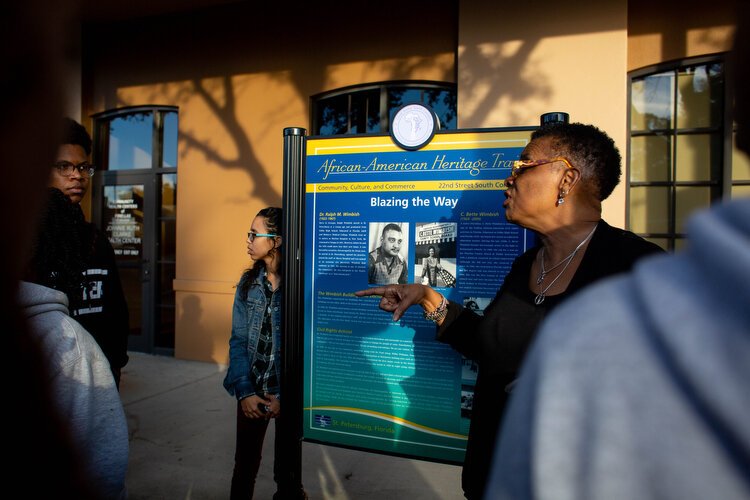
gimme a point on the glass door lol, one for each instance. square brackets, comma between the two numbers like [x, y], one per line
[124, 205]
[134, 201]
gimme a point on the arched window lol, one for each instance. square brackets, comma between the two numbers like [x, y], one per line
[368, 109]
[680, 153]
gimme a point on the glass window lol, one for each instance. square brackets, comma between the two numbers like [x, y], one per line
[740, 164]
[650, 158]
[168, 195]
[136, 139]
[365, 112]
[649, 209]
[130, 138]
[676, 157]
[368, 109]
[662, 242]
[443, 102]
[688, 200]
[168, 219]
[169, 139]
[700, 96]
[740, 172]
[332, 115]
[651, 105]
[696, 156]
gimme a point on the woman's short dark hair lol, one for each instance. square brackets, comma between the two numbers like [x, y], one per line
[590, 150]
[75, 133]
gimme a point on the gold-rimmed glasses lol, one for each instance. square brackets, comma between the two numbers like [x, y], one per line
[519, 165]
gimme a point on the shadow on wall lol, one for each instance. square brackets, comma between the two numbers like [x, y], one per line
[208, 61]
[201, 339]
[499, 81]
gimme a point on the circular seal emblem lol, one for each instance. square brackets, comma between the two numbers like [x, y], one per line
[414, 126]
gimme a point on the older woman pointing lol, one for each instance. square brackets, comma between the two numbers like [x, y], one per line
[556, 190]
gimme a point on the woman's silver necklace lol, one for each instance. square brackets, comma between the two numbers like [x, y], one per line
[567, 260]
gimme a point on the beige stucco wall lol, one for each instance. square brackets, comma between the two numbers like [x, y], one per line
[237, 88]
[675, 29]
[517, 60]
[241, 73]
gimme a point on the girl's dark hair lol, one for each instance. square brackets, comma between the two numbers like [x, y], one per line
[60, 247]
[273, 219]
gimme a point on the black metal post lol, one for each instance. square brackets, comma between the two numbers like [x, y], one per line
[289, 426]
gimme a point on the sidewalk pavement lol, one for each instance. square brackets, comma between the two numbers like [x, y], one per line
[182, 430]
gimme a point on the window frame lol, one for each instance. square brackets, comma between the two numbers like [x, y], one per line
[720, 187]
[383, 87]
[100, 153]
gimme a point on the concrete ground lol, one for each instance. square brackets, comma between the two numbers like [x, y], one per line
[181, 425]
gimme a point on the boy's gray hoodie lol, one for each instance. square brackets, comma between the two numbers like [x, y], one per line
[82, 385]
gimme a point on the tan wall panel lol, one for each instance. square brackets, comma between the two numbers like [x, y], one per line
[204, 322]
[675, 29]
[516, 62]
[438, 68]
[229, 164]
[229, 167]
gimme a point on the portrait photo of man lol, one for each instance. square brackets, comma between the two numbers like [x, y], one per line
[386, 264]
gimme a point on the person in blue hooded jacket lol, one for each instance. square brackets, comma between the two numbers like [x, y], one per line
[254, 373]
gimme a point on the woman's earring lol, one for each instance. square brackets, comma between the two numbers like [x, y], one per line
[560, 198]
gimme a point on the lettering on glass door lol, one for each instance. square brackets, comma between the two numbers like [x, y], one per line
[123, 219]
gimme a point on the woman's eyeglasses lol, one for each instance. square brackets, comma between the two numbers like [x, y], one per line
[251, 235]
[519, 165]
[67, 168]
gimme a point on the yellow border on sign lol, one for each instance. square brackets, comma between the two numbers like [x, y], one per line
[447, 141]
[390, 418]
[373, 187]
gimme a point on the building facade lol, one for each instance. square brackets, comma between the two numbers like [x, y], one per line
[187, 107]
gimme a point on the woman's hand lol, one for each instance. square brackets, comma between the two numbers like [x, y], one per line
[251, 406]
[274, 409]
[398, 298]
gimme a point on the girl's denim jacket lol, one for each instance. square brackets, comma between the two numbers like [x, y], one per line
[247, 320]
